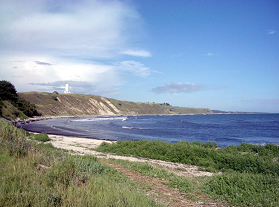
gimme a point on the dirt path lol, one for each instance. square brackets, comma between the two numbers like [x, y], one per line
[160, 192]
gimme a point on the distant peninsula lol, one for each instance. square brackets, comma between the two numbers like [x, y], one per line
[54, 104]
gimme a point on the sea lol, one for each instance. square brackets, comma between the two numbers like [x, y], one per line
[223, 129]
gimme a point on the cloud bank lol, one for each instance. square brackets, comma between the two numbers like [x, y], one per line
[84, 28]
[46, 42]
[185, 87]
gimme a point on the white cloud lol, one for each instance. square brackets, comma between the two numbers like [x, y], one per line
[84, 28]
[48, 41]
[137, 53]
[209, 54]
[185, 87]
[271, 32]
[134, 67]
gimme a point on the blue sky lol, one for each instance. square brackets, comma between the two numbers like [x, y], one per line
[212, 54]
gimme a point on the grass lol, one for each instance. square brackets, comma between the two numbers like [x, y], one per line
[70, 181]
[250, 172]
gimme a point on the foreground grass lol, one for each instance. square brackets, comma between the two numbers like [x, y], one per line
[250, 172]
[64, 180]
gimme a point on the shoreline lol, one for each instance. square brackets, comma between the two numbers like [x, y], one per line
[40, 118]
[72, 131]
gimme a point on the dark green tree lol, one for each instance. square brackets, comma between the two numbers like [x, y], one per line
[7, 91]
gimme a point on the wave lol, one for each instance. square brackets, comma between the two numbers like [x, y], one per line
[125, 127]
[100, 119]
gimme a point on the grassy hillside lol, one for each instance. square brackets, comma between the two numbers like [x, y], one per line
[86, 105]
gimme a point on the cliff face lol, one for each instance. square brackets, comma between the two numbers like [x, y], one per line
[86, 105]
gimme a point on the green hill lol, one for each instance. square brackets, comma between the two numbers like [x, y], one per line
[51, 104]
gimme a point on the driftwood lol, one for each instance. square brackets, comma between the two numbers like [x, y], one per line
[43, 167]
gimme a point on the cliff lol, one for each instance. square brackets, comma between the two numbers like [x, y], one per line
[50, 104]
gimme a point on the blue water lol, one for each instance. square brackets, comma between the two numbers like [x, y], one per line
[224, 129]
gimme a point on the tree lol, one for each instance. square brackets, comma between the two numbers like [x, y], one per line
[7, 91]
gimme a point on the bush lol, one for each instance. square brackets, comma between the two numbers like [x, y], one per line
[8, 93]
[42, 137]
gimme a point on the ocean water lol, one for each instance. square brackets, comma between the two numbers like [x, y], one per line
[224, 129]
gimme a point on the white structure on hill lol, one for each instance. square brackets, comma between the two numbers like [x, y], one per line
[66, 88]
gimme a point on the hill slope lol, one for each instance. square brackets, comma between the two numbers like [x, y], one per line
[89, 105]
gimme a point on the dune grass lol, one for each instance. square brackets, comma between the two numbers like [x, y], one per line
[65, 180]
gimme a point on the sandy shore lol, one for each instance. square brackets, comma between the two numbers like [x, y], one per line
[85, 146]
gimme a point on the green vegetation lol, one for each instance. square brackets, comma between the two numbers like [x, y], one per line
[250, 172]
[64, 179]
[42, 137]
[245, 189]
[244, 158]
[12, 105]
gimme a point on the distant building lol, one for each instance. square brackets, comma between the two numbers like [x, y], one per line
[66, 88]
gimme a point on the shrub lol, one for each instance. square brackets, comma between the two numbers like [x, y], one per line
[42, 137]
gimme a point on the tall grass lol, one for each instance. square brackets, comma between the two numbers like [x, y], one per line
[66, 180]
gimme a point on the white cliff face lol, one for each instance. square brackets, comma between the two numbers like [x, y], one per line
[110, 104]
[101, 107]
[90, 105]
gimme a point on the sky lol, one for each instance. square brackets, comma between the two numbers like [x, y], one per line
[222, 55]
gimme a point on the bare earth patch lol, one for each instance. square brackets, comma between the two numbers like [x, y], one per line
[161, 193]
